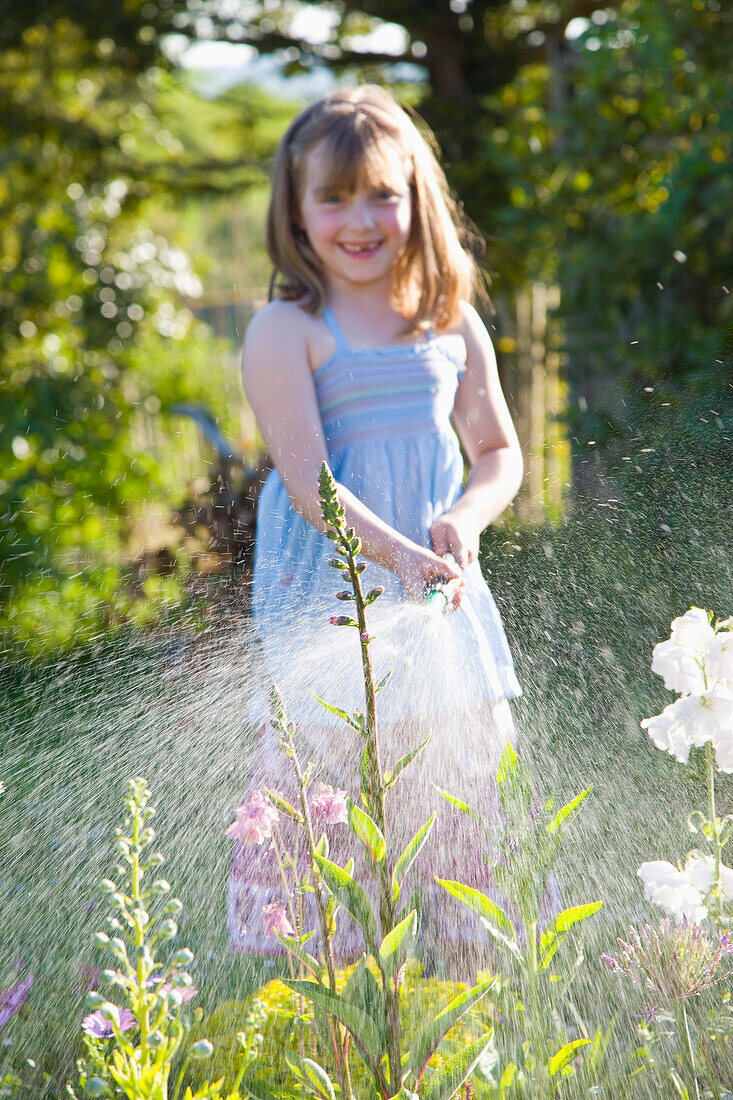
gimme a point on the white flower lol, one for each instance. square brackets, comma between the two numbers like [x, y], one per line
[694, 720]
[679, 661]
[719, 660]
[700, 871]
[666, 886]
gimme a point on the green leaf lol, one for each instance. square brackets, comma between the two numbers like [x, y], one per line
[515, 790]
[362, 991]
[396, 947]
[507, 1079]
[561, 817]
[378, 687]
[368, 832]
[457, 802]
[313, 1076]
[284, 807]
[390, 778]
[565, 1054]
[556, 932]
[365, 1033]
[337, 711]
[352, 897]
[429, 1039]
[446, 1081]
[300, 954]
[494, 919]
[408, 857]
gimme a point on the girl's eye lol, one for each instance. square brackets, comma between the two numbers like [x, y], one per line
[385, 193]
[330, 199]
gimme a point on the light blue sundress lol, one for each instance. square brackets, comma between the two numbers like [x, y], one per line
[386, 420]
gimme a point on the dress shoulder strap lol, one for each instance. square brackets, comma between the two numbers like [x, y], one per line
[335, 328]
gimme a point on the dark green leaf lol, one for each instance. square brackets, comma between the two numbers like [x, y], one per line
[351, 896]
[397, 946]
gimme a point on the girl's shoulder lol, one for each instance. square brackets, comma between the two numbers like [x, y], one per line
[285, 330]
[465, 334]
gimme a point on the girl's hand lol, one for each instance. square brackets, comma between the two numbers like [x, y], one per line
[454, 535]
[417, 567]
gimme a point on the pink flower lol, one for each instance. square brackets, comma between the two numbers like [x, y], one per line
[100, 1027]
[255, 820]
[276, 920]
[329, 806]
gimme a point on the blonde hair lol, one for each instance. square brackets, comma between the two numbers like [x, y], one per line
[434, 271]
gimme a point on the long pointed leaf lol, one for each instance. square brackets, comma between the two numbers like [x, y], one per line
[368, 832]
[396, 947]
[561, 817]
[565, 1054]
[390, 777]
[363, 1030]
[429, 1039]
[408, 857]
[352, 897]
[311, 1075]
[445, 1082]
[296, 949]
[339, 712]
[556, 932]
[494, 919]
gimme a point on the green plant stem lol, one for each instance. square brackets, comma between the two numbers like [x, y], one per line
[714, 827]
[683, 1029]
[142, 1012]
[342, 1060]
[535, 1014]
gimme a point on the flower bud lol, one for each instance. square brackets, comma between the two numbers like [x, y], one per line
[344, 595]
[175, 905]
[108, 1011]
[108, 976]
[95, 1086]
[182, 957]
[108, 886]
[95, 1000]
[160, 886]
[156, 859]
[182, 980]
[168, 929]
[174, 998]
[101, 939]
[118, 949]
[142, 954]
[112, 924]
[202, 1049]
[156, 1039]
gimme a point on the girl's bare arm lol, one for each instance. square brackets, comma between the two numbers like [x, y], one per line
[485, 427]
[280, 388]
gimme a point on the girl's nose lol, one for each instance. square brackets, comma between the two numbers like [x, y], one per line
[362, 215]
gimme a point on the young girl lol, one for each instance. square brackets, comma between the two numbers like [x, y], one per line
[368, 357]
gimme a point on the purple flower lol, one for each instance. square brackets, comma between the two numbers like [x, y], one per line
[99, 1027]
[12, 998]
[329, 806]
[365, 638]
[276, 920]
[612, 963]
[255, 820]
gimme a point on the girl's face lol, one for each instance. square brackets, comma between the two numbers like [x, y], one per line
[356, 234]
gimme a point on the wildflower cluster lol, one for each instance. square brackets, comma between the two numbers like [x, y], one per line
[673, 963]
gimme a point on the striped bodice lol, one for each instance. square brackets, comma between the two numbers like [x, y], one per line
[401, 390]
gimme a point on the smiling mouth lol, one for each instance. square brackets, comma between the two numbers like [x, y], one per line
[360, 249]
